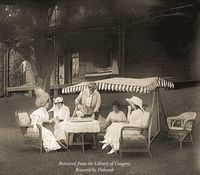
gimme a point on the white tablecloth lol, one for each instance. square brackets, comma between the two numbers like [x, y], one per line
[82, 127]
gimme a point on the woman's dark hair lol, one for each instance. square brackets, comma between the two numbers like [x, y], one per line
[116, 103]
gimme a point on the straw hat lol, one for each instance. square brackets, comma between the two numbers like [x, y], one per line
[136, 101]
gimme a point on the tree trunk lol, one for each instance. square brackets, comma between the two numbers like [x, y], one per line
[42, 79]
[43, 83]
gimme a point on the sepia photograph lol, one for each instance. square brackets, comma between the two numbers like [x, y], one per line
[106, 87]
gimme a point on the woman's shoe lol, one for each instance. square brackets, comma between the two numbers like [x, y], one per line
[112, 151]
[104, 145]
[103, 141]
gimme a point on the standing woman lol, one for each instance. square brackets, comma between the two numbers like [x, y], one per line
[90, 100]
[39, 116]
[137, 117]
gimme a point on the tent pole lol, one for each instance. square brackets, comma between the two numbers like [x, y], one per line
[152, 107]
[158, 110]
[155, 93]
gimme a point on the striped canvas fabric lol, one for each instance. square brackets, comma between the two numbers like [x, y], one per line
[142, 85]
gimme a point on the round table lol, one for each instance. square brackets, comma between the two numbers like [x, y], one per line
[82, 127]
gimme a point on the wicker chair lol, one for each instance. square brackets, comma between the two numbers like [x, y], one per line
[136, 142]
[180, 127]
[30, 136]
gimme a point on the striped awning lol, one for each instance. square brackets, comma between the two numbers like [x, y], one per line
[143, 85]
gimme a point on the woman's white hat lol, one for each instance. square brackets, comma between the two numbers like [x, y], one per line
[59, 100]
[55, 101]
[136, 101]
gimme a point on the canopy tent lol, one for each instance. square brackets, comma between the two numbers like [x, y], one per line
[149, 86]
[143, 85]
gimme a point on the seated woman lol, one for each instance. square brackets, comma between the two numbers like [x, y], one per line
[116, 115]
[137, 117]
[61, 113]
[39, 116]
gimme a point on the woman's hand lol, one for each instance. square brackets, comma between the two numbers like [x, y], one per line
[52, 120]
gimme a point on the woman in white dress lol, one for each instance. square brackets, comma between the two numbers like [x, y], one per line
[116, 115]
[137, 117]
[39, 116]
[61, 114]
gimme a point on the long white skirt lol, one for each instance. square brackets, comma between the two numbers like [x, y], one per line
[60, 133]
[113, 132]
[49, 141]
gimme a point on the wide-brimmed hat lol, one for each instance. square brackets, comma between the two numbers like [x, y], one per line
[59, 100]
[42, 97]
[136, 101]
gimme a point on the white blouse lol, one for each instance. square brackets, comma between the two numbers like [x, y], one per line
[139, 118]
[116, 117]
[39, 116]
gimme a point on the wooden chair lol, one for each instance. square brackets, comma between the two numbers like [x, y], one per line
[30, 136]
[131, 142]
[180, 127]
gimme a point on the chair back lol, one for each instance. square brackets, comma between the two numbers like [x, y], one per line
[188, 119]
[22, 118]
[188, 115]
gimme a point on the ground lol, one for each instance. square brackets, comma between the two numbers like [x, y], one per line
[19, 158]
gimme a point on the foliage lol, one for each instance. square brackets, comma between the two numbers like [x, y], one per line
[25, 29]
[16, 76]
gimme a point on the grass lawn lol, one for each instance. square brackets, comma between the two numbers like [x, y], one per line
[18, 158]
